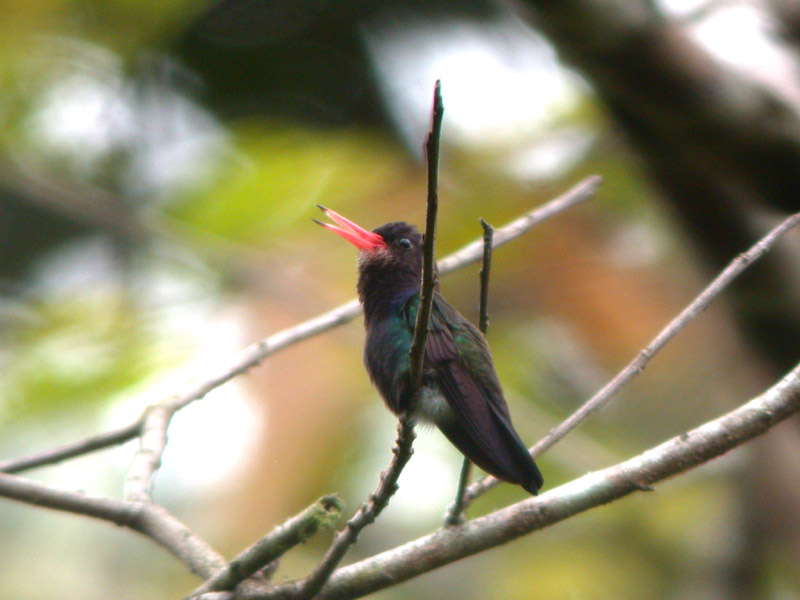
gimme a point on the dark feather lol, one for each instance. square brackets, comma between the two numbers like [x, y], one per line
[483, 429]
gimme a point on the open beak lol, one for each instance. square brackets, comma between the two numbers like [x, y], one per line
[355, 234]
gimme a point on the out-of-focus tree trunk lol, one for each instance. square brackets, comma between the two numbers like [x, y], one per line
[725, 151]
[722, 147]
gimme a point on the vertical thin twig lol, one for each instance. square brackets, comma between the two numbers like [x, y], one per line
[417, 351]
[455, 512]
[486, 267]
[366, 513]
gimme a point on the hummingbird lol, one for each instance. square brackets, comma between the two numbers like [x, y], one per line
[460, 392]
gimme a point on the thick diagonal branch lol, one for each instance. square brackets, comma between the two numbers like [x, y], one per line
[677, 455]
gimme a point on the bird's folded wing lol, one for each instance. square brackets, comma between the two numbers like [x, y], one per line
[474, 394]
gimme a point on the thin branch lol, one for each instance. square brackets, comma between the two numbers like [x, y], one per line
[417, 350]
[638, 364]
[473, 252]
[366, 514]
[323, 513]
[677, 455]
[119, 512]
[148, 519]
[488, 235]
[455, 512]
[254, 354]
[72, 449]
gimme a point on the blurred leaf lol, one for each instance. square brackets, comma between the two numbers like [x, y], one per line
[284, 171]
[81, 351]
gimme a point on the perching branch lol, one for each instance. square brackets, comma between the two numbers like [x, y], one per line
[638, 364]
[677, 455]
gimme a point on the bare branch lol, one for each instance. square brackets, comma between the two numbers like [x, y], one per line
[149, 519]
[473, 252]
[675, 456]
[455, 512]
[71, 450]
[638, 364]
[323, 513]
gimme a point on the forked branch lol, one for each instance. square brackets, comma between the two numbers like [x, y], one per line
[638, 364]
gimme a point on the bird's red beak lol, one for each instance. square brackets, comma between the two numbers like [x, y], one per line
[355, 234]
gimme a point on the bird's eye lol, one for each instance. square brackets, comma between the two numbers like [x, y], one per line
[404, 243]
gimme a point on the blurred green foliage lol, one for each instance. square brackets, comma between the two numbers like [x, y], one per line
[79, 353]
[279, 170]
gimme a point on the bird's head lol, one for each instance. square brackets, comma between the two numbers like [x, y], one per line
[389, 258]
